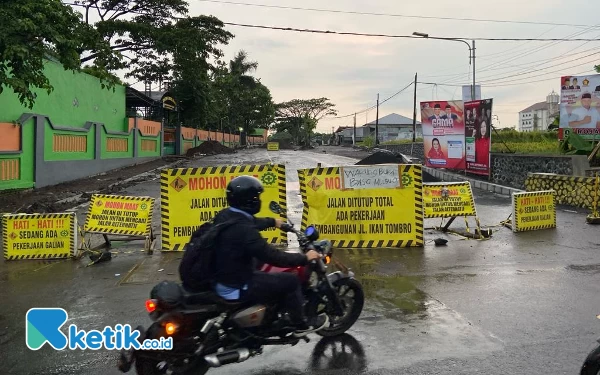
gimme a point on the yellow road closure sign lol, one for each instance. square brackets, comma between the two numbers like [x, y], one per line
[448, 199]
[39, 236]
[534, 210]
[371, 206]
[117, 214]
[193, 196]
[273, 146]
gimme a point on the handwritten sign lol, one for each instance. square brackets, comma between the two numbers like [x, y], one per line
[371, 177]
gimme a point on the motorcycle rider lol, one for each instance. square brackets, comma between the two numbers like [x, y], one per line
[240, 245]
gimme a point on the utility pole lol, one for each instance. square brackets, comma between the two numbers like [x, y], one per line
[473, 89]
[354, 138]
[415, 113]
[377, 123]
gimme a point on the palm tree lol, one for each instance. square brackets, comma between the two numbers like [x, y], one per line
[239, 68]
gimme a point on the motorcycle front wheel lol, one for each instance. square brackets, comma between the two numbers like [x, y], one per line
[352, 298]
[591, 366]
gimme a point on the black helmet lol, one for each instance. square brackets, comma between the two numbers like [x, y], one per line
[243, 193]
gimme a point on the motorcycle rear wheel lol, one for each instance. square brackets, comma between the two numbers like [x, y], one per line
[338, 326]
[591, 366]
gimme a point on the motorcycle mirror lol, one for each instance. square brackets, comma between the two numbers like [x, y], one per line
[275, 207]
[311, 233]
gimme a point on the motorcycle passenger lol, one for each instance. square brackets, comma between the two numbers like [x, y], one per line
[239, 247]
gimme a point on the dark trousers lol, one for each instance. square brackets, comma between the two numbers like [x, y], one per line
[277, 287]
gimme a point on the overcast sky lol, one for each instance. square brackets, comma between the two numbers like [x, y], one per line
[352, 70]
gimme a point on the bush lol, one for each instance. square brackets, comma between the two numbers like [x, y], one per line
[402, 141]
[367, 142]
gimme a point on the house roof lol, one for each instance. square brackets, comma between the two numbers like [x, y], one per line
[342, 128]
[536, 107]
[393, 119]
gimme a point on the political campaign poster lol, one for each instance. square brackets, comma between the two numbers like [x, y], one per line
[444, 134]
[478, 136]
[580, 106]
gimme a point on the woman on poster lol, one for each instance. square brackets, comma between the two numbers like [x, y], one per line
[482, 143]
[435, 152]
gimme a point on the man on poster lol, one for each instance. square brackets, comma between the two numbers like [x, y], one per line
[586, 116]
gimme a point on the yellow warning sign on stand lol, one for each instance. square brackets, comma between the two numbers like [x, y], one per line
[193, 196]
[117, 214]
[448, 199]
[534, 210]
[39, 236]
[364, 206]
[273, 146]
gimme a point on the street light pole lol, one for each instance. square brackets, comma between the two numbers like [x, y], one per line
[471, 53]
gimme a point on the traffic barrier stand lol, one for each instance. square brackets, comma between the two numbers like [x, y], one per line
[594, 216]
[39, 236]
[364, 206]
[193, 196]
[127, 217]
[532, 210]
[451, 200]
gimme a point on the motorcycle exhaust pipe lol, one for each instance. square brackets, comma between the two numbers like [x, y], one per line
[225, 358]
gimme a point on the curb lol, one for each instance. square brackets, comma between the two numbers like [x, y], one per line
[478, 184]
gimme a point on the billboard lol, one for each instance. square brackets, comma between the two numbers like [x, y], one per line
[478, 136]
[579, 106]
[443, 134]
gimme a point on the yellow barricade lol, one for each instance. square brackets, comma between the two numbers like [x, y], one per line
[122, 215]
[39, 236]
[273, 146]
[534, 210]
[193, 196]
[371, 206]
[448, 199]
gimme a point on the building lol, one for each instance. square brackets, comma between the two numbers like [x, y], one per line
[391, 127]
[539, 116]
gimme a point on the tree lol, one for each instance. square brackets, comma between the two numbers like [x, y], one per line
[147, 36]
[32, 31]
[300, 117]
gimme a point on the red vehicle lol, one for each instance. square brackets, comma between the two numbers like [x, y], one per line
[209, 331]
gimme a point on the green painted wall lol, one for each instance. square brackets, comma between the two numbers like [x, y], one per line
[26, 159]
[77, 98]
[143, 153]
[50, 155]
[116, 154]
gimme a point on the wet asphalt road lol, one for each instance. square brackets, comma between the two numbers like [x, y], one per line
[515, 304]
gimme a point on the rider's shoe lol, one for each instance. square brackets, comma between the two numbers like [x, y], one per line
[313, 325]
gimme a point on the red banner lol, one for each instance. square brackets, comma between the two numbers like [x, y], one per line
[478, 136]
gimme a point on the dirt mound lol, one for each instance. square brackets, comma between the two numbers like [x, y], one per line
[210, 148]
[381, 157]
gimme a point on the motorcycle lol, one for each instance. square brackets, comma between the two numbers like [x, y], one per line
[209, 331]
[591, 365]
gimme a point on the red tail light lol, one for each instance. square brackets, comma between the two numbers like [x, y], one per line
[150, 305]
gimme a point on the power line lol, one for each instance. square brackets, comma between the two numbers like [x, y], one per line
[374, 106]
[395, 36]
[362, 13]
[315, 31]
